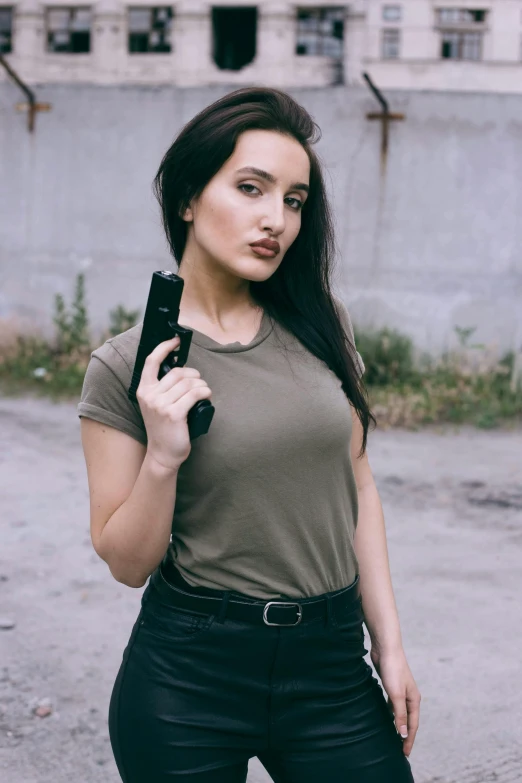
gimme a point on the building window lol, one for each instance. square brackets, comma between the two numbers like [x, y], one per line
[320, 31]
[6, 29]
[461, 33]
[69, 30]
[234, 36]
[391, 44]
[448, 16]
[461, 46]
[150, 29]
[392, 13]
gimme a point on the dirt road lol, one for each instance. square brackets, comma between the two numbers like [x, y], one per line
[453, 506]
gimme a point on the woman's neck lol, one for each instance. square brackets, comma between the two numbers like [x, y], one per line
[218, 304]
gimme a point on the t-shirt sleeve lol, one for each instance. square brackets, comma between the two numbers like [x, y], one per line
[346, 321]
[104, 393]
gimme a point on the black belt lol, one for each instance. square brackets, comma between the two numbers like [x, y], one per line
[254, 610]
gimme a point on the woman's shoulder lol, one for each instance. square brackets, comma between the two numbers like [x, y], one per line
[104, 395]
[346, 321]
[343, 313]
[119, 351]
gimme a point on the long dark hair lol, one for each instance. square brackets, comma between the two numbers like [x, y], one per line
[298, 295]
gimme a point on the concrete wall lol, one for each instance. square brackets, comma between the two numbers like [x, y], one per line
[431, 242]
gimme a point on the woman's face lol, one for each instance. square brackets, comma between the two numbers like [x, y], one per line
[257, 194]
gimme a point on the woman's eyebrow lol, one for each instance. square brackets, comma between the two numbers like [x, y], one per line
[270, 177]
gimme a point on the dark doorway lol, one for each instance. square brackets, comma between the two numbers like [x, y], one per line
[235, 32]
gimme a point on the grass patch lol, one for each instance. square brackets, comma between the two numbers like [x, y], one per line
[56, 369]
[466, 386]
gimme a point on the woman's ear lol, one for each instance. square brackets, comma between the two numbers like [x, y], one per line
[187, 214]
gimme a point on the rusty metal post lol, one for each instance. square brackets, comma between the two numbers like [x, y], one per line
[385, 117]
[31, 106]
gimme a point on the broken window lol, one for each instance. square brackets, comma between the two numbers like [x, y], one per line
[391, 44]
[392, 13]
[449, 16]
[320, 31]
[69, 29]
[150, 29]
[6, 29]
[235, 36]
[459, 41]
[461, 46]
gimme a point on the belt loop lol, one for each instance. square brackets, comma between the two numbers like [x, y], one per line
[223, 608]
[330, 620]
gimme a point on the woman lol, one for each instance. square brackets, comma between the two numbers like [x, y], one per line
[264, 539]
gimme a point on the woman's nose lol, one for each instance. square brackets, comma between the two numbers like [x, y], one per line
[274, 219]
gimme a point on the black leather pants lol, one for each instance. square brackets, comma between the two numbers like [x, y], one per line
[196, 696]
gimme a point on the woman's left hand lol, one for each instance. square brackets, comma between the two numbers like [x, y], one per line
[403, 695]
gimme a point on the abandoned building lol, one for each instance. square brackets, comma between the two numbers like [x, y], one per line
[413, 44]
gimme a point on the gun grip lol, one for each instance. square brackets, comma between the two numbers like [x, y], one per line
[200, 415]
[199, 418]
[176, 358]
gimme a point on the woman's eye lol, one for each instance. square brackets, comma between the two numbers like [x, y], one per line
[296, 205]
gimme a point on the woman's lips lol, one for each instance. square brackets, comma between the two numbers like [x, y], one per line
[263, 252]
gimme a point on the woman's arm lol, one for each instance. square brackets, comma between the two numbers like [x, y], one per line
[132, 500]
[133, 487]
[380, 610]
[378, 601]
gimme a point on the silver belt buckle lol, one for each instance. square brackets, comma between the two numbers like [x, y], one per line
[283, 603]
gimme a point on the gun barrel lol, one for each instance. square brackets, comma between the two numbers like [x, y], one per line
[161, 315]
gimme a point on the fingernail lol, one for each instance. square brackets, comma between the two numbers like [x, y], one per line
[404, 732]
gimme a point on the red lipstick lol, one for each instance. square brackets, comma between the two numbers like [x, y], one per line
[267, 248]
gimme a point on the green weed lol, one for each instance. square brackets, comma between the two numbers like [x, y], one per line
[57, 368]
[466, 385]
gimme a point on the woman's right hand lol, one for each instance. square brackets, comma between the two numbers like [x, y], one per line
[165, 404]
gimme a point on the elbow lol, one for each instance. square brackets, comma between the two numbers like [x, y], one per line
[129, 579]
[128, 575]
[130, 583]
[124, 573]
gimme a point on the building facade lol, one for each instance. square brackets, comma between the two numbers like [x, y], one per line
[463, 45]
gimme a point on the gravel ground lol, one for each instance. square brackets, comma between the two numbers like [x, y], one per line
[453, 505]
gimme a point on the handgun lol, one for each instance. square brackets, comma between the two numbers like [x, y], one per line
[160, 323]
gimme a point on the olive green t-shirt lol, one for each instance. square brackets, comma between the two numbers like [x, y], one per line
[266, 503]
